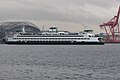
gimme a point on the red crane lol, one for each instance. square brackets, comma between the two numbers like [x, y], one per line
[112, 28]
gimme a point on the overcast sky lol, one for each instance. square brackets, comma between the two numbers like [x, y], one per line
[90, 12]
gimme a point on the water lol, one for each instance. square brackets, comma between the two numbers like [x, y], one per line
[60, 62]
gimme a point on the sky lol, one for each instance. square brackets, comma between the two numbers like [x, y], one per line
[73, 15]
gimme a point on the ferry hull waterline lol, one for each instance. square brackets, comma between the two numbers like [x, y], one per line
[55, 43]
[55, 37]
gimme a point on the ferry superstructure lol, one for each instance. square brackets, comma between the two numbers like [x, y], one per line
[54, 36]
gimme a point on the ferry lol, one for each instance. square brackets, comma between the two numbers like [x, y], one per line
[54, 36]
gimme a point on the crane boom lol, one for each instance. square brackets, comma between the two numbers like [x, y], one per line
[111, 27]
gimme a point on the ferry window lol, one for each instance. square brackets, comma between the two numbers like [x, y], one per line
[89, 36]
[61, 33]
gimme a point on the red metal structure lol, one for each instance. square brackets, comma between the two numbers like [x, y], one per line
[112, 29]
